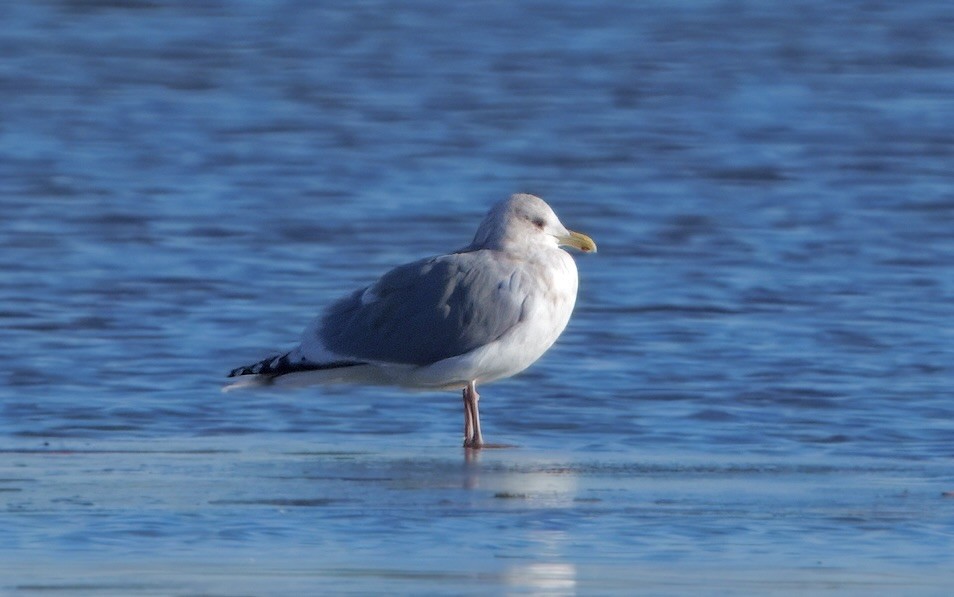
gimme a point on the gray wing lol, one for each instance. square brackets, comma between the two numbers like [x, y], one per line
[428, 310]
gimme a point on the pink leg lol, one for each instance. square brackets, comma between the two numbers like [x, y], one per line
[468, 421]
[472, 435]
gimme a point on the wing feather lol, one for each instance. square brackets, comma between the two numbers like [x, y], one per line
[426, 311]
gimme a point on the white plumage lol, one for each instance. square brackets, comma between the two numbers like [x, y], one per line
[483, 313]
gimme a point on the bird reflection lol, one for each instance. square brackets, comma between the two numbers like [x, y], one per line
[550, 575]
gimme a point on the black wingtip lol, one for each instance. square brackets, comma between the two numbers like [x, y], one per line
[263, 367]
[282, 365]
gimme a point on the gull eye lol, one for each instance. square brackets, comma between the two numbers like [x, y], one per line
[538, 222]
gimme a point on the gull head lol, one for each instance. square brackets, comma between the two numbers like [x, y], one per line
[526, 220]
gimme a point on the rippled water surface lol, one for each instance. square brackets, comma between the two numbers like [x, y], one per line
[754, 394]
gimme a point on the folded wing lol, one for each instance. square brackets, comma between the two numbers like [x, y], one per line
[425, 311]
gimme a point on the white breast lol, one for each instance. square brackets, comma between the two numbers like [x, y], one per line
[551, 295]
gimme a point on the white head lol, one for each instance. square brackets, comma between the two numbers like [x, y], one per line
[526, 219]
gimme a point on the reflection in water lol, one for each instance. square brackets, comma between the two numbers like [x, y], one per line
[544, 578]
[471, 456]
[552, 575]
[550, 488]
[543, 568]
[538, 485]
[471, 468]
[543, 555]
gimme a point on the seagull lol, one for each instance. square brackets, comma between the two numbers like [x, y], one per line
[482, 313]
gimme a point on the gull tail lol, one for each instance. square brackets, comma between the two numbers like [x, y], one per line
[269, 371]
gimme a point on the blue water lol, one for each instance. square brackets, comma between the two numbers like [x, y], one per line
[754, 394]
